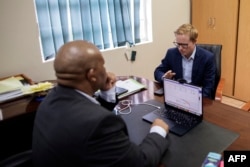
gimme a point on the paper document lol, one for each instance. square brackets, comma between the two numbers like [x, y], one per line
[131, 85]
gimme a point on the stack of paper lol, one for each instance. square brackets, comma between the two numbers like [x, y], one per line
[131, 85]
[10, 88]
[14, 87]
[10, 84]
[40, 87]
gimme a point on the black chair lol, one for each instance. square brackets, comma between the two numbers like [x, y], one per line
[22, 159]
[219, 82]
[16, 140]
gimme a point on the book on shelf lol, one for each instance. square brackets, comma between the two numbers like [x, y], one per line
[131, 85]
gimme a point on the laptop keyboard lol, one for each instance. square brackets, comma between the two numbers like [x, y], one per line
[178, 117]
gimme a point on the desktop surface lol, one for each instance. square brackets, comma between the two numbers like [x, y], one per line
[215, 112]
[191, 148]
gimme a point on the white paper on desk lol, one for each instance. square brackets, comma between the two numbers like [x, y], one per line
[131, 85]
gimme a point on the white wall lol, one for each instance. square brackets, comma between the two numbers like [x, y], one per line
[20, 50]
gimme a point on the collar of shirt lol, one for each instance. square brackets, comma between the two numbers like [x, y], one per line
[109, 95]
[87, 96]
[192, 55]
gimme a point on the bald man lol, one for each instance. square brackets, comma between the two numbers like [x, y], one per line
[74, 129]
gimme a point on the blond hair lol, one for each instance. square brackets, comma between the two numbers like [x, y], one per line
[188, 29]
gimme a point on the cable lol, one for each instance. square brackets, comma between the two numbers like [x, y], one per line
[128, 104]
[151, 105]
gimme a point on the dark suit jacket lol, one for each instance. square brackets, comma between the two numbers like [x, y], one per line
[203, 72]
[70, 130]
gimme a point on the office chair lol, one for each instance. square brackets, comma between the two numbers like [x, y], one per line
[22, 159]
[16, 140]
[219, 82]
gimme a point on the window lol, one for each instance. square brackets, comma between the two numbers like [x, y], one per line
[106, 23]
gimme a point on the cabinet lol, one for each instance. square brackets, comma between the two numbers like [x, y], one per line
[217, 23]
[242, 74]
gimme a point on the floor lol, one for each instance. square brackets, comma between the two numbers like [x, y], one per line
[232, 102]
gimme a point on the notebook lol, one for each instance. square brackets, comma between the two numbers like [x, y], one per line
[183, 107]
[131, 85]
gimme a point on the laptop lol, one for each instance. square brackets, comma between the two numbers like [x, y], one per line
[182, 109]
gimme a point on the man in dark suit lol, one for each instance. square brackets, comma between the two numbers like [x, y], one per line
[188, 62]
[72, 128]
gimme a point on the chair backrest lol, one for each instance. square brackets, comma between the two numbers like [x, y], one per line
[22, 159]
[216, 49]
[16, 140]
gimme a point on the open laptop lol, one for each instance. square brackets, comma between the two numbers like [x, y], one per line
[183, 107]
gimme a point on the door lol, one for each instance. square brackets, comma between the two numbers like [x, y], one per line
[216, 21]
[242, 77]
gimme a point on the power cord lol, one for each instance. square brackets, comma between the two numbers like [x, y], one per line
[158, 107]
[128, 104]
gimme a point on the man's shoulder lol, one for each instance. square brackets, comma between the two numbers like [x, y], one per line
[173, 52]
[174, 49]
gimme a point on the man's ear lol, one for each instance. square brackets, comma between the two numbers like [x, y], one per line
[91, 75]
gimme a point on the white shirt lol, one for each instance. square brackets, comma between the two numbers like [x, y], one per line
[187, 66]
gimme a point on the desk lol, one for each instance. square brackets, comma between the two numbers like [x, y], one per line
[215, 112]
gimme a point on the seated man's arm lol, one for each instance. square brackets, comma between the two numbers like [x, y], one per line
[108, 99]
[160, 70]
[110, 141]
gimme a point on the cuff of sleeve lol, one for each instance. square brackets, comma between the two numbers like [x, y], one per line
[109, 95]
[159, 130]
[162, 78]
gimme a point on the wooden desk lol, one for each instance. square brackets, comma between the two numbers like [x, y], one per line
[215, 112]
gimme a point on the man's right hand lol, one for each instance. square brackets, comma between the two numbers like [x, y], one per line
[161, 123]
[110, 83]
[169, 74]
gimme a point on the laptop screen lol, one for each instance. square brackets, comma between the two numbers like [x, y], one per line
[183, 96]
